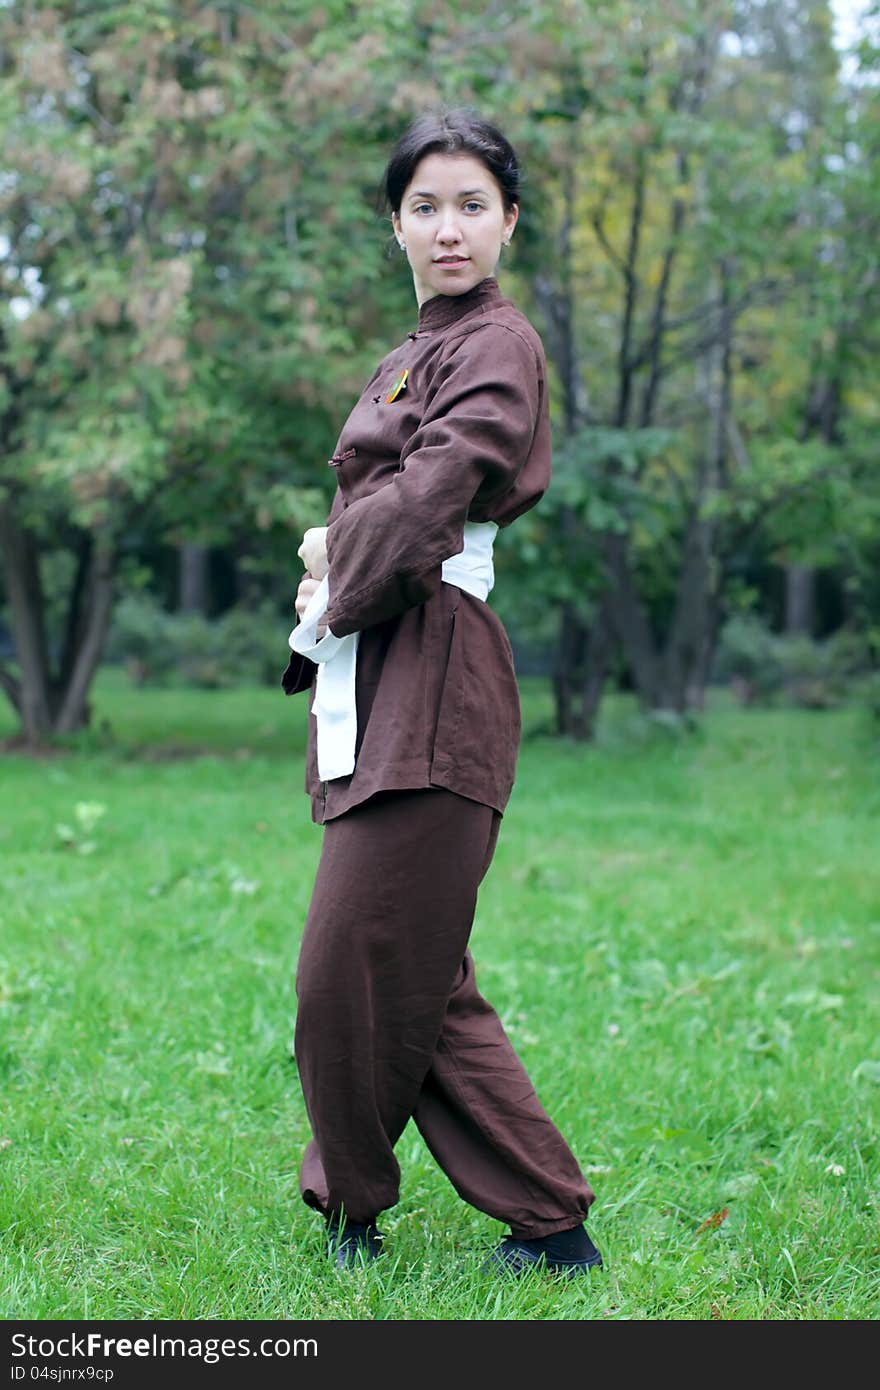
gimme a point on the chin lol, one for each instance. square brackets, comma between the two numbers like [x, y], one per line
[461, 283]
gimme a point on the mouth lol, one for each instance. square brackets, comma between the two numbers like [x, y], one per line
[450, 260]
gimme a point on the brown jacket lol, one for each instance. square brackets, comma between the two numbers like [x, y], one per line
[467, 439]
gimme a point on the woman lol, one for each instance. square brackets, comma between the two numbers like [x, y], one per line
[414, 732]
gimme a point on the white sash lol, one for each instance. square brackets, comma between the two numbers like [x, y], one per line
[334, 703]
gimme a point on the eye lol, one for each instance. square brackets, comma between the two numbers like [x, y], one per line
[419, 206]
[471, 204]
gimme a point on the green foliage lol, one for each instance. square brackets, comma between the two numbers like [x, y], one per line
[244, 646]
[719, 156]
[747, 656]
[140, 636]
[811, 675]
[763, 667]
[185, 323]
[189, 205]
[601, 475]
[544, 560]
[253, 642]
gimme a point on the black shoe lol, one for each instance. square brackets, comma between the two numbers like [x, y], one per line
[353, 1242]
[519, 1256]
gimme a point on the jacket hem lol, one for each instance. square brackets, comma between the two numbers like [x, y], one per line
[404, 778]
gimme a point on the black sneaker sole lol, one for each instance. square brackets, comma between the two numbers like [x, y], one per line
[511, 1258]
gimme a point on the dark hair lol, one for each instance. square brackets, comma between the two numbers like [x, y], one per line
[459, 131]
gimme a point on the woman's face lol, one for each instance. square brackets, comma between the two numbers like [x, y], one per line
[453, 223]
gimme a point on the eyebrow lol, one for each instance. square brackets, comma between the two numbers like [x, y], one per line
[465, 193]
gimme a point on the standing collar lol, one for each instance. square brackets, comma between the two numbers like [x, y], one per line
[443, 309]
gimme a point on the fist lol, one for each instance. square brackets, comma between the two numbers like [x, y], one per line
[307, 587]
[313, 551]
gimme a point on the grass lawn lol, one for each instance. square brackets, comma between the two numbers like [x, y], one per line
[682, 935]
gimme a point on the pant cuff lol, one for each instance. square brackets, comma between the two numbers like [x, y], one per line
[547, 1228]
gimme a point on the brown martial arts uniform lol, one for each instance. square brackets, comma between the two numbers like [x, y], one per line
[390, 1024]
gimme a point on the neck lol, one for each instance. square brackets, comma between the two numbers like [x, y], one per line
[439, 310]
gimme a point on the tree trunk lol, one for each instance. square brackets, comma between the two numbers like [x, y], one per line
[77, 608]
[821, 417]
[21, 576]
[696, 699]
[684, 655]
[50, 702]
[581, 668]
[623, 610]
[74, 711]
[569, 656]
[627, 612]
[800, 599]
[192, 578]
[598, 654]
[687, 654]
[577, 683]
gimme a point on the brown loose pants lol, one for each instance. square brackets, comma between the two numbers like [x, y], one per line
[390, 1024]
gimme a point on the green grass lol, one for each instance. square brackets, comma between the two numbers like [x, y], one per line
[681, 934]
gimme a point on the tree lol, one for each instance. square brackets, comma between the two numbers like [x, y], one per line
[679, 268]
[197, 287]
[178, 322]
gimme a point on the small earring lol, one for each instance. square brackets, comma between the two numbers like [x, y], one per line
[402, 245]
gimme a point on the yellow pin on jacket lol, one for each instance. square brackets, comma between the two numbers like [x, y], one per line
[399, 385]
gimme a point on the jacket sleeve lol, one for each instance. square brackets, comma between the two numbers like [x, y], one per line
[385, 551]
[298, 675]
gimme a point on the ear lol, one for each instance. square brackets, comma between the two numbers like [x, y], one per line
[395, 222]
[510, 220]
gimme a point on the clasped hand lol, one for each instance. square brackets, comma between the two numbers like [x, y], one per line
[313, 553]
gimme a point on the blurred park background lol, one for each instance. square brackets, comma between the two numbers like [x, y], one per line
[681, 927]
[197, 281]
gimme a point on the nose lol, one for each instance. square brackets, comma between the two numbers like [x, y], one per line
[448, 231]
